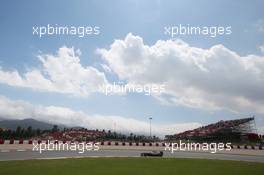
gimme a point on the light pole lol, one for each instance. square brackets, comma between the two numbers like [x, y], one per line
[150, 118]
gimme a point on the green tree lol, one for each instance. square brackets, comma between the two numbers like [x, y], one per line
[18, 132]
[55, 128]
[29, 132]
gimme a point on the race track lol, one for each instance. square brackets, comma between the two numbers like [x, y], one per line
[24, 154]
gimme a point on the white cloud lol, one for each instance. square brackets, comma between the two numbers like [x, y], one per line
[61, 73]
[11, 109]
[211, 79]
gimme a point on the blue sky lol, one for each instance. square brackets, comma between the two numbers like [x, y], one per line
[20, 49]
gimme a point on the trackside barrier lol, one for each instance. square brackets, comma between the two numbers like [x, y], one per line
[21, 141]
[11, 141]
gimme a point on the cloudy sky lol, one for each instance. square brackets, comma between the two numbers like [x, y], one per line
[207, 79]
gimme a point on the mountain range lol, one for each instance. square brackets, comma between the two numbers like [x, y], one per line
[25, 123]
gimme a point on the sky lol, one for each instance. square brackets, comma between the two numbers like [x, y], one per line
[55, 78]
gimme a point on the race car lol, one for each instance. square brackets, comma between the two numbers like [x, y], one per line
[152, 154]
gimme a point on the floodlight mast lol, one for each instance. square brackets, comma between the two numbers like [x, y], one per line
[150, 118]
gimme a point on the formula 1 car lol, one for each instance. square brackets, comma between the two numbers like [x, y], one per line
[152, 154]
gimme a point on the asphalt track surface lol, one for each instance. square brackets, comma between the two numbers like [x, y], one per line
[29, 154]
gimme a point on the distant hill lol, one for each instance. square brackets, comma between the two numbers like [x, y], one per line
[25, 123]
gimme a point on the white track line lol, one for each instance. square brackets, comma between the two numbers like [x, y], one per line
[51, 158]
[20, 150]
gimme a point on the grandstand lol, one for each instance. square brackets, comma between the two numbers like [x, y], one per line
[239, 130]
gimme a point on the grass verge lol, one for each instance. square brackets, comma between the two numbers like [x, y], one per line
[130, 166]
